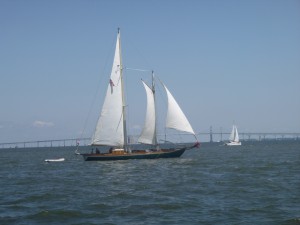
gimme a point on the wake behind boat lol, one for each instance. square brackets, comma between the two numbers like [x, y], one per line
[111, 127]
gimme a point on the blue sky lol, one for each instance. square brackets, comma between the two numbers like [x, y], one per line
[224, 61]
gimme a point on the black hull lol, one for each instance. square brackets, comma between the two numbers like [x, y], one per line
[175, 153]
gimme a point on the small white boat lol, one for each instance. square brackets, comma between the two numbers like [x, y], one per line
[55, 160]
[234, 138]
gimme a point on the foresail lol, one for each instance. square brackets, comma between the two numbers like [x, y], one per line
[175, 117]
[109, 129]
[148, 135]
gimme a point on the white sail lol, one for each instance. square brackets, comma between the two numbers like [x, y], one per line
[231, 138]
[109, 129]
[236, 137]
[148, 135]
[175, 117]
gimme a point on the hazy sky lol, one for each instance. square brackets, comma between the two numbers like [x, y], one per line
[223, 61]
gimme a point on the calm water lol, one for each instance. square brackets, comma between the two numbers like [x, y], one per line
[258, 183]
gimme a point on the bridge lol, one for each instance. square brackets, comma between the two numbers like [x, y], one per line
[45, 143]
[207, 136]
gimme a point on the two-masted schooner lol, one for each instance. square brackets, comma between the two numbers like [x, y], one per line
[111, 127]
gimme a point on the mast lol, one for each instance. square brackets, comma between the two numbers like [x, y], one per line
[123, 95]
[155, 131]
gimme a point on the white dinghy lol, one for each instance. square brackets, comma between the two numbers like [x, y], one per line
[55, 160]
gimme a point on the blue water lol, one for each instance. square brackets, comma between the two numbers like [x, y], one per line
[257, 183]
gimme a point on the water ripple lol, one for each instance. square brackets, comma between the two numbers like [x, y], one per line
[256, 184]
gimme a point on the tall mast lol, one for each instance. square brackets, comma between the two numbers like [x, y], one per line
[123, 95]
[153, 90]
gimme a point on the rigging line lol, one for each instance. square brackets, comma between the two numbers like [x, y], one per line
[133, 45]
[160, 90]
[141, 70]
[97, 91]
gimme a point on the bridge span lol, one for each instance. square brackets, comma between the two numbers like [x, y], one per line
[202, 136]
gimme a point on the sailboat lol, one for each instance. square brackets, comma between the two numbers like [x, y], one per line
[111, 126]
[234, 137]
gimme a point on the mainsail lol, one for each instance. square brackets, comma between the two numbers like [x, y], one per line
[109, 129]
[231, 137]
[234, 136]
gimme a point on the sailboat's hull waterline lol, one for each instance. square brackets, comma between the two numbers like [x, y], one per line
[165, 153]
[233, 144]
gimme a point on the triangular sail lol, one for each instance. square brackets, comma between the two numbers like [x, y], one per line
[109, 130]
[231, 138]
[175, 117]
[148, 135]
[236, 137]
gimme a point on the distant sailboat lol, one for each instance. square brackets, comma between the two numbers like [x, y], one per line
[234, 137]
[111, 127]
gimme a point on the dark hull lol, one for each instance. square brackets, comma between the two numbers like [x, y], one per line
[142, 155]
